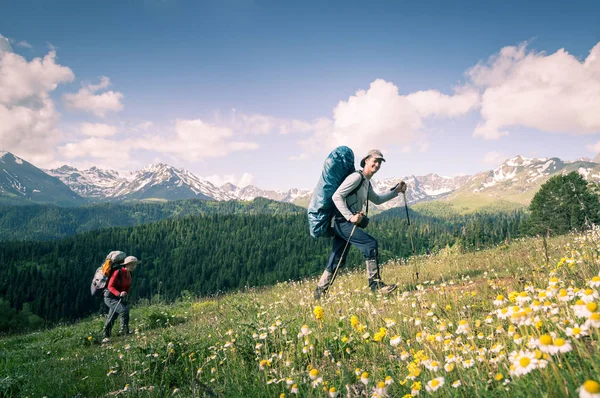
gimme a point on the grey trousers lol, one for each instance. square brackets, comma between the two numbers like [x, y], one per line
[116, 308]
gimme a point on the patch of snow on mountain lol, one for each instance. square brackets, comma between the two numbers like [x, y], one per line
[543, 167]
[584, 172]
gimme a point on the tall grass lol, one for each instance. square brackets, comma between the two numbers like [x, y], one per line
[445, 333]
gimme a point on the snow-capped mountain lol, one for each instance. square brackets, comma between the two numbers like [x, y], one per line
[21, 182]
[519, 178]
[93, 183]
[161, 181]
[516, 180]
[251, 192]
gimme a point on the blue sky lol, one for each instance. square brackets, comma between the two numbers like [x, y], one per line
[260, 92]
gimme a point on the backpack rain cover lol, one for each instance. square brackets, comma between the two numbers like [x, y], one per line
[338, 165]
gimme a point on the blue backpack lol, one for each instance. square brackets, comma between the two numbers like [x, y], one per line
[338, 165]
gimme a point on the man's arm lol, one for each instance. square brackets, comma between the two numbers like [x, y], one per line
[379, 199]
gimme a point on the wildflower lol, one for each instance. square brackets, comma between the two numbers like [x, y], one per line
[499, 377]
[294, 389]
[588, 295]
[394, 341]
[318, 311]
[364, 378]
[468, 363]
[264, 364]
[561, 345]
[313, 374]
[523, 362]
[500, 300]
[366, 336]
[522, 298]
[126, 388]
[176, 390]
[388, 380]
[589, 389]
[111, 372]
[456, 384]
[432, 365]
[415, 388]
[333, 392]
[90, 338]
[545, 343]
[463, 327]
[449, 367]
[435, 384]
[564, 295]
[577, 331]
[305, 330]
[380, 390]
[354, 321]
[379, 335]
[594, 320]
[595, 282]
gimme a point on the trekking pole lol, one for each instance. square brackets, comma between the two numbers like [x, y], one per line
[109, 314]
[341, 257]
[410, 233]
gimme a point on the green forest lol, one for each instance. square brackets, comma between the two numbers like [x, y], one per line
[207, 254]
[39, 222]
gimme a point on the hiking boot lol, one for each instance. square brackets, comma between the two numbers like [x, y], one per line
[375, 282]
[323, 284]
[383, 288]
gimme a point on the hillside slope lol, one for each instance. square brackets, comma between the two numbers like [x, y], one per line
[268, 342]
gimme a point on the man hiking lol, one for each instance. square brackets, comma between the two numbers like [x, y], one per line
[115, 297]
[349, 199]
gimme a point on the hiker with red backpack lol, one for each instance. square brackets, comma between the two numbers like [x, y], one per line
[115, 297]
[347, 214]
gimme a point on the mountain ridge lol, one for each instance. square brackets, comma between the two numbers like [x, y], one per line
[515, 180]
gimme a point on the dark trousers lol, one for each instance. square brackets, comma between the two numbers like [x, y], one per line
[360, 239]
[116, 308]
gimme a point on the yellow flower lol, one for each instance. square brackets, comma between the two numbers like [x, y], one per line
[90, 338]
[313, 374]
[354, 321]
[318, 311]
[591, 387]
[364, 378]
[499, 376]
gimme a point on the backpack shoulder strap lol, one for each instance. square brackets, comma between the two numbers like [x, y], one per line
[362, 178]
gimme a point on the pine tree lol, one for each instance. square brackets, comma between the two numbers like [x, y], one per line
[564, 203]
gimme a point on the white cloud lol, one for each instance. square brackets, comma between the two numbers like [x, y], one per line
[239, 181]
[261, 124]
[99, 148]
[144, 126]
[194, 140]
[23, 43]
[4, 45]
[381, 118]
[20, 80]
[27, 115]
[553, 93]
[87, 100]
[494, 158]
[98, 129]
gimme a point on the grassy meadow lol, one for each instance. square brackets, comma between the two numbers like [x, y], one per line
[512, 321]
